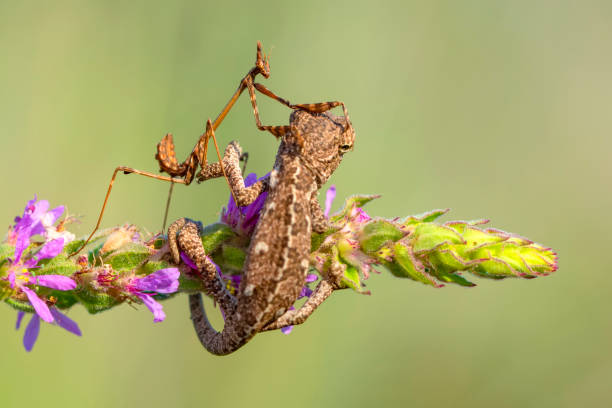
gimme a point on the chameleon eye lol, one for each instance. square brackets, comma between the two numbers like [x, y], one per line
[344, 148]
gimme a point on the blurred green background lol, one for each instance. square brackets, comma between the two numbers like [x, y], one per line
[495, 109]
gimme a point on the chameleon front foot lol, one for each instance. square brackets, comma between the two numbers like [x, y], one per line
[184, 236]
[299, 316]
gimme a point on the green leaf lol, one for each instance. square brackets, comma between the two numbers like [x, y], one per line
[445, 258]
[95, 302]
[428, 216]
[233, 257]
[474, 236]
[451, 277]
[351, 278]
[350, 275]
[214, 235]
[158, 243]
[65, 298]
[428, 236]
[19, 305]
[406, 265]
[190, 285]
[73, 246]
[317, 239]
[128, 257]
[376, 233]
[60, 265]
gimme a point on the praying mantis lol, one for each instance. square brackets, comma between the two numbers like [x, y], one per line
[311, 148]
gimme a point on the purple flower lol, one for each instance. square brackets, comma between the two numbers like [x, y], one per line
[161, 281]
[36, 220]
[33, 328]
[360, 216]
[287, 329]
[329, 199]
[22, 279]
[244, 219]
[306, 292]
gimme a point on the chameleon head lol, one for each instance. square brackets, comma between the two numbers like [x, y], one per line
[322, 139]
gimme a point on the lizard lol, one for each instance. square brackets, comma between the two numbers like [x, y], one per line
[277, 261]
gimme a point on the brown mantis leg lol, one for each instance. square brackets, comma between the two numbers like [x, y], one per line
[166, 155]
[125, 170]
[200, 147]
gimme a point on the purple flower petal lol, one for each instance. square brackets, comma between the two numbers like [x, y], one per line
[244, 219]
[31, 204]
[136, 237]
[40, 209]
[52, 216]
[32, 217]
[51, 249]
[250, 179]
[216, 266]
[187, 260]
[11, 278]
[287, 329]
[40, 306]
[155, 308]
[329, 199]
[30, 263]
[65, 322]
[236, 279]
[23, 241]
[311, 277]
[58, 282]
[161, 281]
[26, 220]
[37, 229]
[305, 292]
[20, 315]
[362, 216]
[31, 332]
[252, 212]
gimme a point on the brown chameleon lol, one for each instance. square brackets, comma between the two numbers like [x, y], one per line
[277, 260]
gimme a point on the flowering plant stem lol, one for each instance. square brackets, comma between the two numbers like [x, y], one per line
[121, 265]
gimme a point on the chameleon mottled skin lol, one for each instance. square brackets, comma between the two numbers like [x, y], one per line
[278, 257]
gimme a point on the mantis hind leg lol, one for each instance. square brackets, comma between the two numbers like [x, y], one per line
[125, 170]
